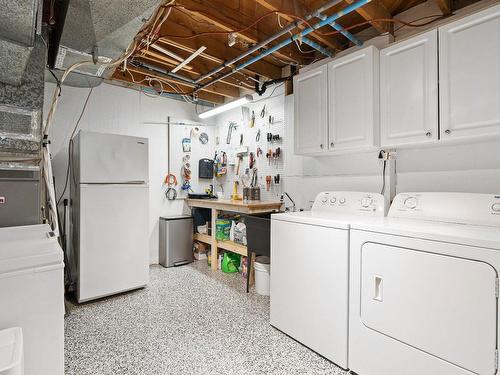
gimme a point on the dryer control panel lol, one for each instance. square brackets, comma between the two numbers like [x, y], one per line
[463, 208]
[350, 202]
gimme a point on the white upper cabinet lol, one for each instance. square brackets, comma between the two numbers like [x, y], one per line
[311, 111]
[469, 76]
[353, 93]
[409, 91]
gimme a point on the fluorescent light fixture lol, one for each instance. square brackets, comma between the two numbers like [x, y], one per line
[167, 52]
[226, 107]
[189, 59]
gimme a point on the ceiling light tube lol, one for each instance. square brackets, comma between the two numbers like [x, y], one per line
[226, 107]
[167, 52]
[189, 59]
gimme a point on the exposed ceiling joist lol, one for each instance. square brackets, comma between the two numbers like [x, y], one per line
[222, 88]
[214, 92]
[163, 58]
[216, 47]
[225, 21]
[192, 24]
[230, 81]
[207, 62]
[376, 10]
[275, 5]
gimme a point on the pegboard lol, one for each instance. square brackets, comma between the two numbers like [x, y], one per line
[275, 108]
[198, 151]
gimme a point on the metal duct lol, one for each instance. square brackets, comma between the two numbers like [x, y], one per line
[99, 28]
[13, 59]
[18, 23]
[21, 109]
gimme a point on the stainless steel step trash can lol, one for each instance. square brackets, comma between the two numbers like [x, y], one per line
[176, 240]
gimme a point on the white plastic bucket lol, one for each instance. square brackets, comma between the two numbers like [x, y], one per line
[262, 275]
[11, 352]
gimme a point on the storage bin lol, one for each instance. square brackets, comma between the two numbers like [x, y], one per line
[262, 275]
[259, 233]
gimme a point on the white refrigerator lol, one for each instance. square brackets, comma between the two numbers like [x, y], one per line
[109, 210]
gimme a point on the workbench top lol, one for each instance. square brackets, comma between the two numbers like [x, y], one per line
[236, 205]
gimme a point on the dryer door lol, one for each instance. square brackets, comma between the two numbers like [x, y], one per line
[442, 305]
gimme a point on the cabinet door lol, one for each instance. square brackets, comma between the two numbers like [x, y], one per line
[353, 100]
[409, 91]
[311, 113]
[469, 76]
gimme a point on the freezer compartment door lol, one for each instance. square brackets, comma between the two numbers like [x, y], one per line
[111, 158]
[114, 251]
[441, 305]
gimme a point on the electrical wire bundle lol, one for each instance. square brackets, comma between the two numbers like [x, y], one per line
[171, 182]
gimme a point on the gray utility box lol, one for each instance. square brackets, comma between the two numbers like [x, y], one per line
[19, 197]
[176, 240]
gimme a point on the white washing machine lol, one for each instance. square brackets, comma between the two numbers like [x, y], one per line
[32, 295]
[310, 267]
[424, 287]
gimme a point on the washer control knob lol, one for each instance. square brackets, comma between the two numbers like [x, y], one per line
[496, 207]
[333, 200]
[411, 202]
[342, 200]
[366, 202]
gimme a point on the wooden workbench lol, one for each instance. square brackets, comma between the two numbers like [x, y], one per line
[217, 205]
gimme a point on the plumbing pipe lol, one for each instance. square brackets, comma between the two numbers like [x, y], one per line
[326, 21]
[154, 69]
[303, 33]
[317, 47]
[345, 33]
[264, 43]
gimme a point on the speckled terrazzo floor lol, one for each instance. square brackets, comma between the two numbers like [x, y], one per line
[189, 320]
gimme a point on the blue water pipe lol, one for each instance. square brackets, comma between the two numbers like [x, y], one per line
[317, 47]
[284, 43]
[327, 21]
[345, 33]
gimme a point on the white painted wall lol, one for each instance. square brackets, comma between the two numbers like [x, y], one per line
[471, 167]
[118, 110]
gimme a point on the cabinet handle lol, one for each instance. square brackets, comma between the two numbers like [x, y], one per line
[321, 145]
[428, 134]
[448, 131]
[332, 144]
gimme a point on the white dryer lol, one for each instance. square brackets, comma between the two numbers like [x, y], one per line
[310, 267]
[424, 287]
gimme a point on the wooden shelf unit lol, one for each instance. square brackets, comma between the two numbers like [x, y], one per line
[218, 205]
[226, 245]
